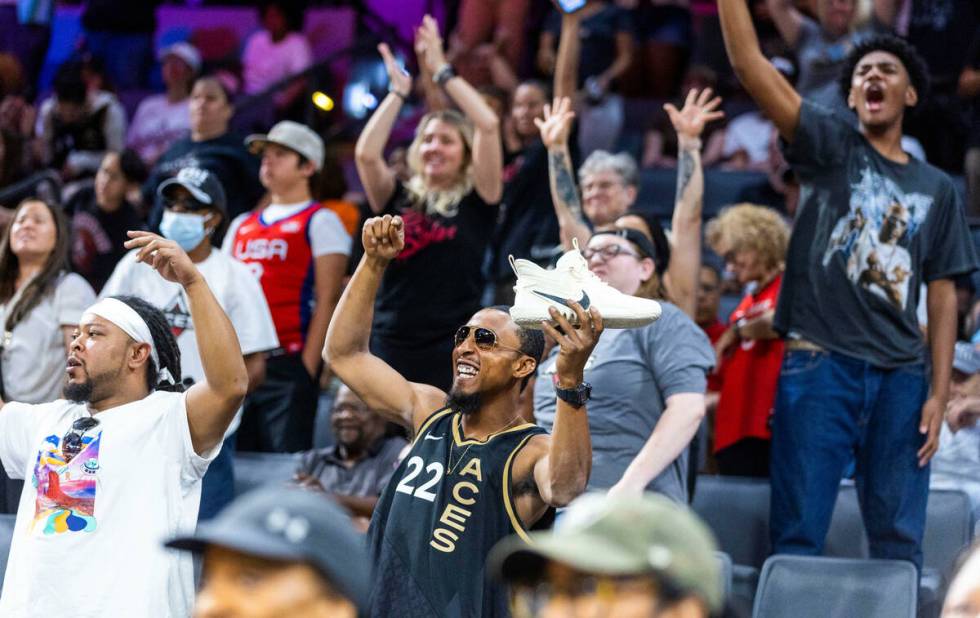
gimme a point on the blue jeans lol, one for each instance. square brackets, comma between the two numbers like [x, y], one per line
[218, 486]
[830, 409]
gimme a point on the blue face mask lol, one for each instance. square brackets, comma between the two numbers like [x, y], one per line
[184, 228]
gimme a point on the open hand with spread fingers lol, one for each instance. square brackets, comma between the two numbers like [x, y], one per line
[398, 78]
[428, 38]
[383, 237]
[557, 123]
[164, 256]
[576, 343]
[699, 109]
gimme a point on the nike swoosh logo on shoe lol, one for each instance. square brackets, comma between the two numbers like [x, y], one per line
[584, 301]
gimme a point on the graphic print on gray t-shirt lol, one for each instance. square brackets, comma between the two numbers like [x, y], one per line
[868, 233]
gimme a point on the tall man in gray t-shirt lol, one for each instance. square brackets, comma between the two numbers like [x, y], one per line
[873, 225]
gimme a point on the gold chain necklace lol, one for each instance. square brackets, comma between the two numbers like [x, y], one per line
[450, 467]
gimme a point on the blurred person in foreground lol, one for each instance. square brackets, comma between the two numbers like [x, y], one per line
[963, 594]
[630, 557]
[278, 552]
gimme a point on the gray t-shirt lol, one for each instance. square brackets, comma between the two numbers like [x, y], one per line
[34, 360]
[366, 478]
[868, 232]
[632, 373]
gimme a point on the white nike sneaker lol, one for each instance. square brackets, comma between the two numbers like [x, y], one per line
[538, 289]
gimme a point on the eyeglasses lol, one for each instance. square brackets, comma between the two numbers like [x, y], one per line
[609, 252]
[71, 443]
[484, 338]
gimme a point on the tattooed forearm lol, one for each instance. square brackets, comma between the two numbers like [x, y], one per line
[565, 188]
[685, 170]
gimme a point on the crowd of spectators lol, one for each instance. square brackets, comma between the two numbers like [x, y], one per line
[532, 154]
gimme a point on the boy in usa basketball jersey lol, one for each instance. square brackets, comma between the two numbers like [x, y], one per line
[477, 471]
[298, 250]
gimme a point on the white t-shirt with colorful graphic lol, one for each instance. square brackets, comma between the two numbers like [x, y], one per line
[89, 532]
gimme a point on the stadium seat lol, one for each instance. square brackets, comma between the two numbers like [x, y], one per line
[949, 528]
[721, 188]
[846, 537]
[725, 562]
[817, 587]
[737, 511]
[252, 470]
[6, 537]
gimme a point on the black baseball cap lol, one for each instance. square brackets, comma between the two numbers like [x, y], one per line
[202, 184]
[293, 525]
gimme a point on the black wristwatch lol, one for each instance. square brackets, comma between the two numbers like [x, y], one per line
[575, 397]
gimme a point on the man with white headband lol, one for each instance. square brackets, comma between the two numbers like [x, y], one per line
[116, 465]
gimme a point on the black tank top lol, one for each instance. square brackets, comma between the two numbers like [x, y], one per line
[446, 506]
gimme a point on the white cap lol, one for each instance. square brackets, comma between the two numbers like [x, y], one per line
[294, 136]
[185, 51]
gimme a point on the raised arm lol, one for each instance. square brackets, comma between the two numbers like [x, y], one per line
[569, 50]
[773, 94]
[435, 98]
[787, 18]
[487, 150]
[379, 179]
[562, 471]
[211, 403]
[555, 128]
[347, 346]
[685, 256]
[624, 57]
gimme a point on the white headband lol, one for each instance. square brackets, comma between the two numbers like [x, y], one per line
[126, 318]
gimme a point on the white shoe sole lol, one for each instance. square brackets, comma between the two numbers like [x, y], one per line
[533, 316]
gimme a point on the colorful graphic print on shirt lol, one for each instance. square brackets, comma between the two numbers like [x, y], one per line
[873, 237]
[66, 491]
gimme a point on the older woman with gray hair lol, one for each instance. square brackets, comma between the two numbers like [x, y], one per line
[609, 188]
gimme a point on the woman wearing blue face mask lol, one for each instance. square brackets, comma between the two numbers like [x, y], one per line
[194, 209]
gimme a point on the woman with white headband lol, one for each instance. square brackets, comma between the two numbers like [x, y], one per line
[117, 465]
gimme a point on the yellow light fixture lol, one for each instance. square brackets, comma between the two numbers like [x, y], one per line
[323, 101]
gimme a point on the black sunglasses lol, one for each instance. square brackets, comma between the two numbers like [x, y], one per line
[71, 443]
[484, 338]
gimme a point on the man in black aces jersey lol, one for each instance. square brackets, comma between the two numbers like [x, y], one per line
[476, 472]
